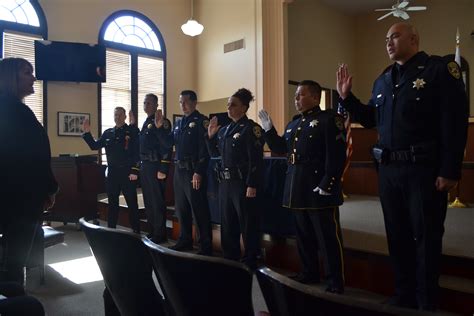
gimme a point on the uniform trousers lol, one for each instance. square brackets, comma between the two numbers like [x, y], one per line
[239, 215]
[321, 229]
[190, 202]
[154, 198]
[414, 213]
[118, 181]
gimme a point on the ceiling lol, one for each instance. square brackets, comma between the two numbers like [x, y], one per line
[360, 6]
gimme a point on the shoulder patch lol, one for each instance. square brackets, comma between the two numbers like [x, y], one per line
[205, 123]
[454, 70]
[166, 124]
[339, 122]
[257, 131]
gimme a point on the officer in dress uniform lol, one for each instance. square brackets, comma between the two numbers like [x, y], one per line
[240, 145]
[315, 144]
[121, 148]
[156, 144]
[419, 108]
[190, 171]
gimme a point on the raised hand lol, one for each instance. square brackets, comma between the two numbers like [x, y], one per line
[86, 126]
[266, 120]
[344, 81]
[158, 118]
[131, 118]
[213, 127]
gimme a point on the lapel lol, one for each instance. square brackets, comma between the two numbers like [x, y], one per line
[233, 127]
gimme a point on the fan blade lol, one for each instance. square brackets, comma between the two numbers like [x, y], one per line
[402, 4]
[404, 15]
[384, 16]
[415, 9]
[383, 9]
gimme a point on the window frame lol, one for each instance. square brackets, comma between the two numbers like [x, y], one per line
[25, 29]
[134, 52]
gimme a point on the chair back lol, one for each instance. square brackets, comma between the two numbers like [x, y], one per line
[201, 285]
[286, 297]
[126, 266]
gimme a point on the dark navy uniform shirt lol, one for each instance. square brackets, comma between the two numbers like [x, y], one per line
[121, 146]
[422, 102]
[240, 145]
[315, 144]
[190, 145]
[156, 144]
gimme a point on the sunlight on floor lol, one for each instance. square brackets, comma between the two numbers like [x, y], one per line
[79, 271]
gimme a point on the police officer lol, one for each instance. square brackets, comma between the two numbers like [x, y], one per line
[315, 144]
[190, 172]
[121, 148]
[419, 107]
[156, 143]
[240, 144]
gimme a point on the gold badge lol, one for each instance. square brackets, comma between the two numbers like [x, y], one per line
[236, 136]
[149, 126]
[419, 83]
[166, 124]
[192, 124]
[454, 70]
[313, 123]
[339, 122]
[205, 123]
[257, 131]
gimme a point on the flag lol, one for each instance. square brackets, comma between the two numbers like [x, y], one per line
[347, 125]
[457, 56]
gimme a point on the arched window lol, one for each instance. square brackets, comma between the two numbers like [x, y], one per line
[136, 60]
[21, 23]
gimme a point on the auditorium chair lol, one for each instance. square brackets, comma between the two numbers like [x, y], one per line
[126, 267]
[286, 297]
[201, 285]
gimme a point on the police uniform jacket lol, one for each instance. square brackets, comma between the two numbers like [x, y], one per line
[315, 144]
[156, 144]
[190, 145]
[240, 145]
[426, 106]
[121, 146]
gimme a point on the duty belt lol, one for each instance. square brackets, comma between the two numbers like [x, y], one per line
[185, 164]
[229, 174]
[295, 159]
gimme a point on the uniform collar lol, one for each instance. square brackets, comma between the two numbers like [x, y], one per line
[410, 69]
[311, 111]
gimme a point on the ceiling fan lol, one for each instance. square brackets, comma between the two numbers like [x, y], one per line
[399, 9]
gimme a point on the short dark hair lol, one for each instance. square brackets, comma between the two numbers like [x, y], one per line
[244, 95]
[120, 108]
[153, 96]
[313, 86]
[191, 94]
[9, 70]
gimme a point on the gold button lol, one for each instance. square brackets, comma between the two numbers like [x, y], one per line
[299, 128]
[296, 139]
[294, 150]
[303, 120]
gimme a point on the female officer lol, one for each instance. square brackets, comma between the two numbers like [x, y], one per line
[240, 144]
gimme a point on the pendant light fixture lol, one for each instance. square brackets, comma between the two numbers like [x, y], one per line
[192, 27]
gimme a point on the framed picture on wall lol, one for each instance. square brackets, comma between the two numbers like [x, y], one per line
[70, 124]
